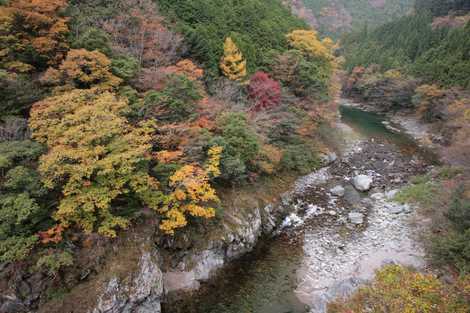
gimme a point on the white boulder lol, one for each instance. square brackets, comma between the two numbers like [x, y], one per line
[362, 182]
[337, 191]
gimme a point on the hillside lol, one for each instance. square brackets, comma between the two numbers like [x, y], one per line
[335, 17]
[417, 69]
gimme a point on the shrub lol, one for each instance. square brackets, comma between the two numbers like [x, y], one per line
[125, 67]
[423, 191]
[23, 201]
[17, 93]
[312, 77]
[53, 261]
[397, 289]
[453, 249]
[20, 214]
[23, 152]
[21, 178]
[177, 102]
[264, 92]
[301, 158]
[240, 146]
[16, 248]
[459, 211]
[94, 39]
[240, 138]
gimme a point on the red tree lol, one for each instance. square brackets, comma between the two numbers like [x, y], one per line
[264, 91]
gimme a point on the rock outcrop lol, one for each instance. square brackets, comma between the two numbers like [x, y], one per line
[139, 292]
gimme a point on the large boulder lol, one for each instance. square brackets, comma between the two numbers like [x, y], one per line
[337, 191]
[362, 182]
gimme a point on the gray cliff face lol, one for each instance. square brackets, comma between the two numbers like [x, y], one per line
[140, 292]
[240, 235]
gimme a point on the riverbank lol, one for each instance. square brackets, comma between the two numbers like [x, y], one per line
[334, 237]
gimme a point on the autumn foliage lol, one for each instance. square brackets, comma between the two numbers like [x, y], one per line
[191, 191]
[264, 91]
[83, 69]
[32, 34]
[139, 31]
[232, 64]
[95, 156]
[397, 290]
[187, 68]
[307, 41]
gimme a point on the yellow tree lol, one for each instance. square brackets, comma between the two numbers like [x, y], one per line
[307, 41]
[83, 69]
[232, 64]
[191, 193]
[95, 156]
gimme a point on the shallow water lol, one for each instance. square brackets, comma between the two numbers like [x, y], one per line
[372, 125]
[267, 280]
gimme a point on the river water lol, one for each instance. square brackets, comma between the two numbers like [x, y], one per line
[321, 255]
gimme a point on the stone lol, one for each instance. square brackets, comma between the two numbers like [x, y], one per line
[356, 218]
[362, 182]
[337, 191]
[329, 158]
[391, 194]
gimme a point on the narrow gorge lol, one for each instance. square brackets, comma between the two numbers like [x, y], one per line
[234, 156]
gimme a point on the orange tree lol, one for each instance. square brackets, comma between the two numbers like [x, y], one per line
[32, 34]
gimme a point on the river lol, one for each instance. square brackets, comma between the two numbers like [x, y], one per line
[324, 251]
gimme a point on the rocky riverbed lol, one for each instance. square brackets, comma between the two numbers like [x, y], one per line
[341, 225]
[351, 233]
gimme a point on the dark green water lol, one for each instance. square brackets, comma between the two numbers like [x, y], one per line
[370, 125]
[261, 282]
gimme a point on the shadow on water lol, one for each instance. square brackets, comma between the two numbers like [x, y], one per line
[263, 281]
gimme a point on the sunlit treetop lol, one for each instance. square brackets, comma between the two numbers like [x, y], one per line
[232, 64]
[307, 41]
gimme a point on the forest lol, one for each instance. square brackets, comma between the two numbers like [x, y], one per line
[100, 121]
